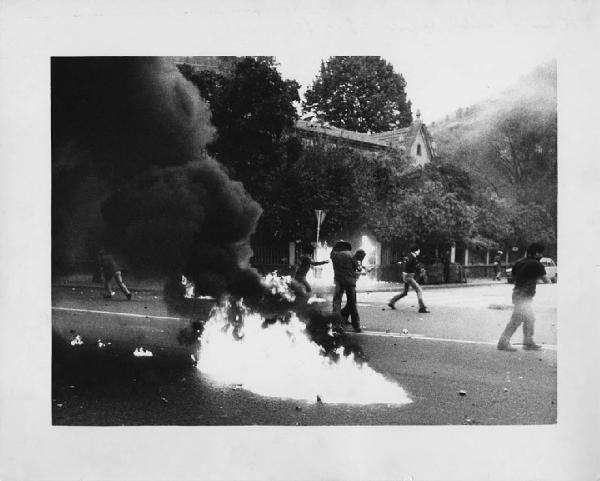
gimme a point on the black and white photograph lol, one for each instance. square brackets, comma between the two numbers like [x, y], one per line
[300, 244]
[203, 215]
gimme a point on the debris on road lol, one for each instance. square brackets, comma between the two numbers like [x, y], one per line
[500, 307]
[404, 331]
[141, 352]
[505, 389]
[77, 341]
[164, 399]
[462, 393]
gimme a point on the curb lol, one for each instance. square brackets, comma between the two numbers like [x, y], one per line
[328, 290]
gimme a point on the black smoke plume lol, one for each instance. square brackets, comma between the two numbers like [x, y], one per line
[138, 128]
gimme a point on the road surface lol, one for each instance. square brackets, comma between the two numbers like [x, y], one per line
[445, 361]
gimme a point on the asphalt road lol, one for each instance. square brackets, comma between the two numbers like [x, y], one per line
[446, 361]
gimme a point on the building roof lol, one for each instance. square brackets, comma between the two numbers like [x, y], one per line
[406, 136]
[319, 128]
[397, 139]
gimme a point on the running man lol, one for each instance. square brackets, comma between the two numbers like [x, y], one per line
[409, 279]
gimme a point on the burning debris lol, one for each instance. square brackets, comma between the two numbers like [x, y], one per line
[141, 352]
[78, 341]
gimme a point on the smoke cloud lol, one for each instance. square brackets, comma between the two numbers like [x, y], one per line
[138, 128]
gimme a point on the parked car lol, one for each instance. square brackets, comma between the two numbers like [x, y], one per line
[549, 265]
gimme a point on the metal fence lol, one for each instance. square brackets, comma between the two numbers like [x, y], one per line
[276, 254]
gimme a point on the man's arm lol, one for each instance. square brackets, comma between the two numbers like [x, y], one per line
[543, 276]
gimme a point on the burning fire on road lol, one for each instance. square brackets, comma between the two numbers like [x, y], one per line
[277, 358]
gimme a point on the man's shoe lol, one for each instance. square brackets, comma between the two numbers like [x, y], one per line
[357, 329]
[506, 346]
[391, 305]
[128, 296]
[532, 346]
[423, 310]
[345, 320]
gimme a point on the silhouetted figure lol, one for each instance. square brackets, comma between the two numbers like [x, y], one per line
[110, 269]
[348, 309]
[344, 269]
[498, 266]
[306, 262]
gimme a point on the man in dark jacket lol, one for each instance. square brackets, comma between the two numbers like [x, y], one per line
[526, 274]
[409, 278]
[359, 257]
[345, 267]
[110, 269]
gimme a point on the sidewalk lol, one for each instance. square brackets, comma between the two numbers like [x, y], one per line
[84, 281]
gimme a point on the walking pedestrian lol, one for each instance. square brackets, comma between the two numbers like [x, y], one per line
[498, 266]
[344, 268]
[409, 278]
[304, 266]
[526, 274]
[110, 269]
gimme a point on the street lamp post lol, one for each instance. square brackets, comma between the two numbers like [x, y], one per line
[320, 218]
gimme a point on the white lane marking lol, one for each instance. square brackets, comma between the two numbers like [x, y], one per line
[118, 313]
[550, 347]
[367, 333]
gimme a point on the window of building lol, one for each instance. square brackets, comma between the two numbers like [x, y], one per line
[418, 149]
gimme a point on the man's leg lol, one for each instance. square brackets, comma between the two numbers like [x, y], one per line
[121, 284]
[107, 288]
[337, 305]
[352, 308]
[395, 299]
[305, 283]
[415, 285]
[529, 327]
[516, 319]
[345, 312]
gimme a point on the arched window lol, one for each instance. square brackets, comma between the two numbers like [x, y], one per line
[418, 149]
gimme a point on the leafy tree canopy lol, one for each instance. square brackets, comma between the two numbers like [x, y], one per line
[362, 94]
[252, 110]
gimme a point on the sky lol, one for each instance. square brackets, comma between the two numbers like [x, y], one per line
[446, 66]
[444, 82]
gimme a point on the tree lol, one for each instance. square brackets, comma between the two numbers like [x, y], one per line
[362, 94]
[428, 214]
[509, 146]
[252, 110]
